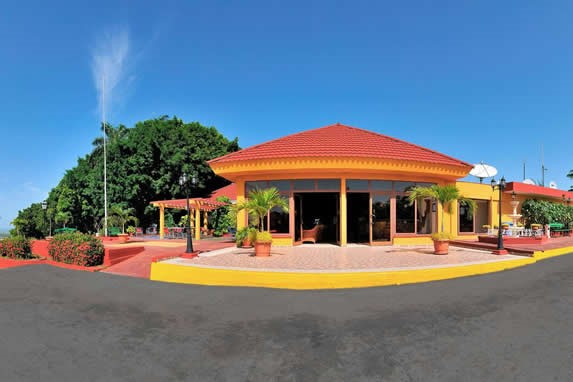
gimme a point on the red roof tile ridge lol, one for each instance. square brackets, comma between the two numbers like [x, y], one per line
[215, 160]
[409, 143]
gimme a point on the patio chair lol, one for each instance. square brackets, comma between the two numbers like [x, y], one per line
[138, 231]
[312, 235]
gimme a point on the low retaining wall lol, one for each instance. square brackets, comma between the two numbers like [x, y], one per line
[514, 240]
[117, 255]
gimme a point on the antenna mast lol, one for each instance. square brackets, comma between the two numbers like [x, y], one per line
[104, 157]
[543, 168]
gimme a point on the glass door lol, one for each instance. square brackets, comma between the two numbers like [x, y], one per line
[380, 223]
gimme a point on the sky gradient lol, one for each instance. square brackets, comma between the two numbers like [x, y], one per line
[481, 81]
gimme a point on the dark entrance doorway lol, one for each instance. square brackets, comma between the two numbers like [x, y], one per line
[318, 210]
[358, 217]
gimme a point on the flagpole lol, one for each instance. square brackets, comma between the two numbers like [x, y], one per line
[104, 157]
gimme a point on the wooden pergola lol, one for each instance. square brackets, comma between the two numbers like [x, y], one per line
[196, 206]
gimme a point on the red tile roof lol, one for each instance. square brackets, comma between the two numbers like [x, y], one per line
[206, 204]
[340, 141]
[229, 191]
[534, 190]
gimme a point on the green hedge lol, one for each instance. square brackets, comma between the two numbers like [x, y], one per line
[16, 247]
[544, 212]
[76, 248]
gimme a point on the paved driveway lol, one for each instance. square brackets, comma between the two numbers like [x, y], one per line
[61, 325]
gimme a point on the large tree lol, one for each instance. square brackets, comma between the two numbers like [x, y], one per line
[144, 163]
[570, 176]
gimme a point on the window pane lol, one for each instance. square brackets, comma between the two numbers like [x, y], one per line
[466, 219]
[404, 215]
[328, 184]
[381, 185]
[357, 185]
[304, 184]
[421, 184]
[281, 185]
[256, 185]
[425, 217]
[279, 221]
[403, 186]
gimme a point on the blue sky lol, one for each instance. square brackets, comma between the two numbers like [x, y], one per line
[479, 80]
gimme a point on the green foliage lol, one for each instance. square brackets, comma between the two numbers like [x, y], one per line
[223, 218]
[144, 164]
[63, 217]
[16, 247]
[241, 235]
[442, 236]
[264, 237]
[120, 216]
[244, 233]
[76, 248]
[32, 221]
[252, 234]
[545, 212]
[444, 195]
[130, 230]
[169, 221]
[260, 201]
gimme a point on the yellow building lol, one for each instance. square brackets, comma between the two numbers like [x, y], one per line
[347, 185]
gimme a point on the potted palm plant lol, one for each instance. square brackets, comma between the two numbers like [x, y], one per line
[444, 195]
[245, 237]
[258, 204]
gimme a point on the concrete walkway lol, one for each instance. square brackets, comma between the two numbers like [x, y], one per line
[332, 258]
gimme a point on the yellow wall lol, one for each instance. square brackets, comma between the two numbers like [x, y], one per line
[356, 168]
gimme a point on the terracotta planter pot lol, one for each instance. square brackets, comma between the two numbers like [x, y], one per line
[262, 249]
[441, 247]
[247, 243]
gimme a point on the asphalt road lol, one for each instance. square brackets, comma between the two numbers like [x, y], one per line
[60, 325]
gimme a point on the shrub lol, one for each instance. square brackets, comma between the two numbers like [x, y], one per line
[16, 247]
[252, 234]
[242, 234]
[264, 237]
[545, 212]
[442, 236]
[76, 248]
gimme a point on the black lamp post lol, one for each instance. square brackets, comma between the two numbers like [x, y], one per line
[183, 181]
[500, 186]
[44, 207]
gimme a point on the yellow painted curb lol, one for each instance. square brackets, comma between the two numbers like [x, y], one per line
[542, 255]
[302, 280]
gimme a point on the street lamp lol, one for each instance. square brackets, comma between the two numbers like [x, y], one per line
[183, 181]
[45, 207]
[500, 186]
